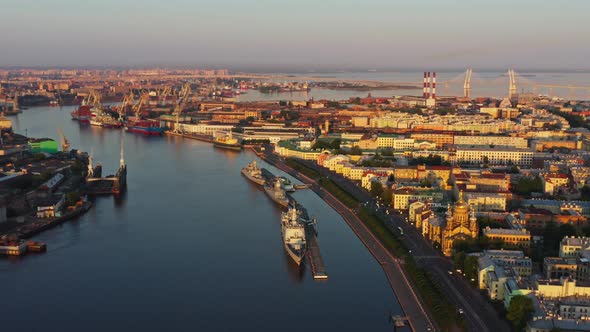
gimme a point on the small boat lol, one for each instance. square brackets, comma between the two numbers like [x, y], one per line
[34, 246]
[286, 185]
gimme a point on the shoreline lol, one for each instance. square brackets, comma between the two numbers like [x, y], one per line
[32, 228]
[410, 303]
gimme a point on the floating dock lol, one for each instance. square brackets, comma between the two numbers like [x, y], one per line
[313, 249]
[313, 253]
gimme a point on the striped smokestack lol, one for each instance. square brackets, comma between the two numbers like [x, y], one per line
[427, 85]
[433, 91]
[424, 91]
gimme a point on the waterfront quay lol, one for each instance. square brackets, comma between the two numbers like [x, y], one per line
[419, 319]
[479, 314]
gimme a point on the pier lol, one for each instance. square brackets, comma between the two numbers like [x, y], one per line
[313, 254]
[313, 248]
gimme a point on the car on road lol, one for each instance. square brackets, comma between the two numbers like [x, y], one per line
[461, 311]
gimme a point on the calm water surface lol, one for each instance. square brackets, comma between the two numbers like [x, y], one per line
[192, 246]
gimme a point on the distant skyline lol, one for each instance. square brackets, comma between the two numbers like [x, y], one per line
[303, 35]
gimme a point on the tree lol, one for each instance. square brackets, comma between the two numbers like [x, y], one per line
[333, 104]
[527, 185]
[376, 189]
[387, 152]
[356, 151]
[514, 170]
[470, 267]
[387, 196]
[72, 198]
[519, 311]
[335, 144]
[391, 178]
[459, 260]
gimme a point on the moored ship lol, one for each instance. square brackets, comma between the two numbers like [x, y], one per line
[286, 184]
[293, 234]
[227, 141]
[82, 114]
[276, 193]
[101, 119]
[253, 173]
[145, 127]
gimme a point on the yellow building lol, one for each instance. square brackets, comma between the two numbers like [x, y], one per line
[559, 288]
[516, 237]
[461, 224]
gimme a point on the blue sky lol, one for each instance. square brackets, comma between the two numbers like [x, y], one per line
[311, 34]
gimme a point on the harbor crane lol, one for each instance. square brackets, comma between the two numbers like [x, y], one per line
[137, 107]
[127, 100]
[164, 94]
[65, 144]
[183, 97]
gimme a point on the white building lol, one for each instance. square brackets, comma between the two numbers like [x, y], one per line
[571, 246]
[495, 155]
[486, 201]
[517, 142]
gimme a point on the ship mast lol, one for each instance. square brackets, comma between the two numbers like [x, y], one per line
[122, 160]
[90, 166]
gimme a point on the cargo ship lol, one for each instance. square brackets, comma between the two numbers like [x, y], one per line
[145, 127]
[82, 114]
[227, 141]
[276, 193]
[253, 173]
[100, 119]
[293, 234]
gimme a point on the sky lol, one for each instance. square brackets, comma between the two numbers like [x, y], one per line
[297, 35]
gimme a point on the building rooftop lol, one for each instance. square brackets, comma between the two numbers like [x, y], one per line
[505, 231]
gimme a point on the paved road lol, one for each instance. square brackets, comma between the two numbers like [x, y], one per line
[479, 314]
[419, 318]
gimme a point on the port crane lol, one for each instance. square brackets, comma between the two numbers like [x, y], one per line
[137, 107]
[65, 144]
[127, 100]
[182, 101]
[164, 94]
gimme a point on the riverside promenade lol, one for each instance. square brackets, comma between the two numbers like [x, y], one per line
[419, 319]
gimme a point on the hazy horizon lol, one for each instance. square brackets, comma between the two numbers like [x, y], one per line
[300, 36]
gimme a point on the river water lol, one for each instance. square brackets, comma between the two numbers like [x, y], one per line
[191, 246]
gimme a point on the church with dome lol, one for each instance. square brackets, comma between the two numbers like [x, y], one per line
[459, 223]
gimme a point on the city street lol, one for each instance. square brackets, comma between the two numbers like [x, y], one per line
[479, 314]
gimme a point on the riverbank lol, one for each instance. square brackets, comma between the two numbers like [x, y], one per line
[36, 225]
[419, 318]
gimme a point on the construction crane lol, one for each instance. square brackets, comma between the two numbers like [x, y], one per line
[65, 144]
[127, 100]
[137, 107]
[183, 97]
[164, 94]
